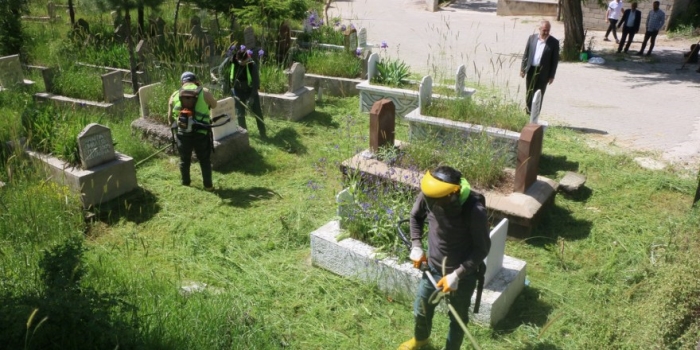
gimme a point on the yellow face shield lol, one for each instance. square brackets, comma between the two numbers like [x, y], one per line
[434, 188]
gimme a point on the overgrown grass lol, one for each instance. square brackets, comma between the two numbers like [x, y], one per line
[272, 78]
[332, 63]
[488, 112]
[79, 82]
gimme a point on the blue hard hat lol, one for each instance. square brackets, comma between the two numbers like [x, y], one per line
[188, 77]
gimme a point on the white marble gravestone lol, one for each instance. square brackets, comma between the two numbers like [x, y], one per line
[425, 92]
[494, 261]
[459, 81]
[536, 107]
[11, 71]
[226, 106]
[95, 145]
[145, 95]
[112, 86]
[295, 77]
[362, 38]
[372, 66]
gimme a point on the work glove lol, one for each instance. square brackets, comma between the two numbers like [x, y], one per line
[449, 283]
[417, 256]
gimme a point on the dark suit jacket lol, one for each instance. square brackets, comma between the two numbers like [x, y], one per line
[637, 19]
[550, 56]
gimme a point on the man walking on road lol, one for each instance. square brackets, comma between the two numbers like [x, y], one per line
[655, 21]
[612, 15]
[540, 62]
[630, 26]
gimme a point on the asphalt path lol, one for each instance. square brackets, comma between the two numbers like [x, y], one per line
[642, 103]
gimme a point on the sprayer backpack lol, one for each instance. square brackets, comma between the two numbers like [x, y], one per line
[188, 101]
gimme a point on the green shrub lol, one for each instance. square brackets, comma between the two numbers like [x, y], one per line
[392, 73]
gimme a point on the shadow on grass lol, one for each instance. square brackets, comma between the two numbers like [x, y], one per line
[558, 222]
[541, 346]
[248, 162]
[244, 197]
[322, 119]
[62, 314]
[581, 195]
[137, 206]
[549, 165]
[528, 308]
[287, 139]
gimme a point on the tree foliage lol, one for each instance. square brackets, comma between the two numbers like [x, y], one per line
[11, 12]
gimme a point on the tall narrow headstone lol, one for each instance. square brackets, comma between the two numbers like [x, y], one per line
[284, 42]
[350, 39]
[346, 202]
[225, 109]
[362, 38]
[536, 107]
[382, 122]
[249, 37]
[494, 261]
[372, 66]
[529, 152]
[11, 71]
[425, 92]
[365, 59]
[295, 77]
[145, 95]
[51, 7]
[112, 87]
[459, 79]
[48, 74]
[213, 27]
[95, 145]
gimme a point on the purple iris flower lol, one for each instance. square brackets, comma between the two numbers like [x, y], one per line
[336, 24]
[230, 50]
[249, 52]
[358, 52]
[343, 27]
[242, 48]
[352, 26]
[384, 45]
[261, 53]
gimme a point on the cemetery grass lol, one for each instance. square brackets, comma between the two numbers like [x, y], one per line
[614, 266]
[334, 63]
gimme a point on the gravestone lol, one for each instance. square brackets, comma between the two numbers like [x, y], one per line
[226, 106]
[197, 36]
[295, 77]
[48, 74]
[145, 95]
[529, 152]
[350, 40]
[365, 58]
[143, 52]
[284, 41]
[459, 81]
[308, 26]
[425, 92]
[112, 87]
[51, 9]
[249, 37]
[494, 260]
[195, 21]
[95, 145]
[158, 27]
[536, 107]
[382, 122]
[346, 202]
[214, 27]
[362, 38]
[81, 29]
[372, 66]
[11, 71]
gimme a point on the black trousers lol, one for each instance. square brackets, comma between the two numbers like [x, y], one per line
[200, 144]
[252, 99]
[534, 81]
[649, 35]
[612, 28]
[626, 31]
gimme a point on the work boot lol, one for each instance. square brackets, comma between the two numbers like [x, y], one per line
[413, 344]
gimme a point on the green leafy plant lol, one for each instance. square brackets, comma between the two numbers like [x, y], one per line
[392, 73]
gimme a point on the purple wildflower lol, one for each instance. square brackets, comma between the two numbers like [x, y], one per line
[242, 48]
[358, 52]
[343, 27]
[261, 53]
[320, 22]
[384, 45]
[249, 52]
[337, 23]
[352, 26]
[231, 49]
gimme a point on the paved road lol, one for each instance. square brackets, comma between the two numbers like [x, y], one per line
[642, 103]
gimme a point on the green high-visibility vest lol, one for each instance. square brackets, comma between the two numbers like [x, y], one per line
[201, 108]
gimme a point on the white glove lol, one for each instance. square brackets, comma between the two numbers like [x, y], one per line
[449, 283]
[417, 256]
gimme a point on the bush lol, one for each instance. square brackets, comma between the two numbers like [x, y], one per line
[392, 73]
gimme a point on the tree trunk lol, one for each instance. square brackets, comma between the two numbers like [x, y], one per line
[573, 29]
[141, 19]
[325, 11]
[177, 12]
[132, 57]
[71, 12]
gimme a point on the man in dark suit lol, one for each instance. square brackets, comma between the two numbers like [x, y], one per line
[630, 22]
[540, 62]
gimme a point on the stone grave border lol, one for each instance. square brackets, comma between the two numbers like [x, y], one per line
[523, 210]
[355, 259]
[296, 103]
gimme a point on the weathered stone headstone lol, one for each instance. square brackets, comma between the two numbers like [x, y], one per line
[213, 27]
[11, 71]
[51, 9]
[536, 107]
[345, 201]
[308, 27]
[158, 26]
[362, 38]
[120, 33]
[372, 66]
[571, 182]
[195, 21]
[249, 37]
[425, 92]
[227, 107]
[295, 76]
[112, 87]
[143, 51]
[350, 40]
[95, 145]
[529, 152]
[284, 41]
[48, 74]
[459, 81]
[81, 29]
[382, 122]
[145, 95]
[197, 36]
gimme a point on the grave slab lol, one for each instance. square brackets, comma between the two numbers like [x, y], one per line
[354, 259]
